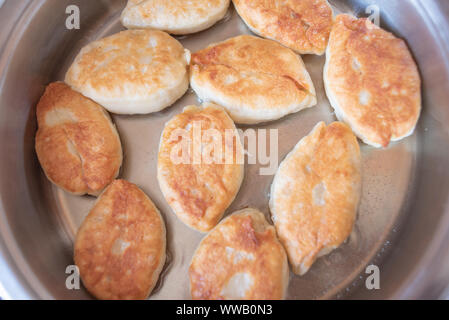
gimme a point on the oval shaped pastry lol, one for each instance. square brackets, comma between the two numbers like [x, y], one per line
[174, 16]
[315, 194]
[120, 246]
[200, 165]
[372, 81]
[254, 79]
[77, 144]
[302, 25]
[133, 71]
[241, 258]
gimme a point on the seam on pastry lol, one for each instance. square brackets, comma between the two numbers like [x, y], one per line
[306, 26]
[297, 84]
[83, 177]
[278, 12]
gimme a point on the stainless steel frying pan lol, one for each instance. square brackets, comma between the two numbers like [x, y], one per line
[403, 222]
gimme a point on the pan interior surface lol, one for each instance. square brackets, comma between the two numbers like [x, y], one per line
[42, 220]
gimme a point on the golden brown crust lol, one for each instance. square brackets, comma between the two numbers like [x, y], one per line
[303, 25]
[253, 78]
[120, 247]
[133, 71]
[197, 191]
[372, 81]
[77, 144]
[241, 258]
[315, 194]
